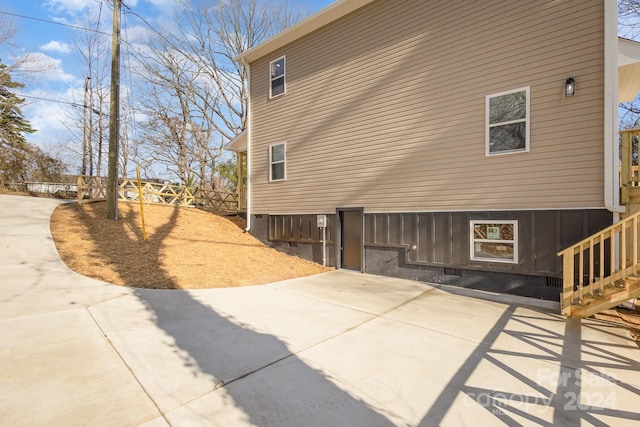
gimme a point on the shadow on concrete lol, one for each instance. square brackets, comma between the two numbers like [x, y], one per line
[562, 388]
[212, 344]
[282, 390]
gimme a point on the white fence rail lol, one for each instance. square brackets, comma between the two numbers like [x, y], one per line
[64, 188]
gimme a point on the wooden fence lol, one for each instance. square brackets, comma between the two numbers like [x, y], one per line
[95, 188]
[629, 157]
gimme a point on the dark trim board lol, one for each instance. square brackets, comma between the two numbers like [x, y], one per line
[350, 239]
[435, 247]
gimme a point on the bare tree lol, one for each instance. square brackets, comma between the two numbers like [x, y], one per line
[7, 30]
[629, 27]
[629, 18]
[212, 38]
[166, 99]
[196, 95]
[94, 50]
[21, 65]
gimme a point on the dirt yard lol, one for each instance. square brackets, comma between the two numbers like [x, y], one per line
[630, 319]
[185, 248]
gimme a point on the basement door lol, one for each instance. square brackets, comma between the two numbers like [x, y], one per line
[351, 241]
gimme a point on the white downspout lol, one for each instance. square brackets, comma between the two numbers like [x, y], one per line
[611, 155]
[248, 67]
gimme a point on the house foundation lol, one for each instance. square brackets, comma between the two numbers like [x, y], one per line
[512, 252]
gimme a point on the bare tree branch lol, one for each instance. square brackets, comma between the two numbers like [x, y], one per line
[195, 93]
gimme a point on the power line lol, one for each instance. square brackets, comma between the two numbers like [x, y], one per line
[75, 27]
[73, 104]
[151, 27]
[58, 101]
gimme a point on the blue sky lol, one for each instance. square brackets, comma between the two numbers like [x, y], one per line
[52, 44]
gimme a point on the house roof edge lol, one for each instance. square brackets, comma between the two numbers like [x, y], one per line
[628, 51]
[238, 144]
[313, 22]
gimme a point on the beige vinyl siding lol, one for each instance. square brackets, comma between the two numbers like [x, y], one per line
[385, 109]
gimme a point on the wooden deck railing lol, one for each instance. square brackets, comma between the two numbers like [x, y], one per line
[629, 170]
[94, 188]
[598, 263]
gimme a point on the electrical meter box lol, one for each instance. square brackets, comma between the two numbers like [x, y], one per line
[321, 221]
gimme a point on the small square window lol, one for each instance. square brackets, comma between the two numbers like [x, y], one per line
[277, 76]
[507, 122]
[277, 158]
[494, 241]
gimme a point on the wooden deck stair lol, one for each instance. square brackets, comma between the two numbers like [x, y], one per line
[602, 270]
[610, 296]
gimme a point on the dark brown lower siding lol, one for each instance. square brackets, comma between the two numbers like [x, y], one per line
[391, 262]
[435, 247]
[302, 244]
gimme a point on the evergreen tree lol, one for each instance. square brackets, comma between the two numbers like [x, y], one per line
[13, 125]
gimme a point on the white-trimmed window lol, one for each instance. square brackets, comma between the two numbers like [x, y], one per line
[507, 122]
[277, 76]
[277, 159]
[494, 241]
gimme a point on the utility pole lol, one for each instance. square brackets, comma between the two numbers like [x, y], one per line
[112, 168]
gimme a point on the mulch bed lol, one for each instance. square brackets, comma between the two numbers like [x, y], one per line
[186, 248]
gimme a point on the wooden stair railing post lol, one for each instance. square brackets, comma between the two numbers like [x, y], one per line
[623, 251]
[581, 274]
[601, 257]
[635, 245]
[591, 262]
[625, 173]
[567, 283]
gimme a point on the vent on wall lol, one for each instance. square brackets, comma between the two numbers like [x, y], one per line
[554, 282]
[448, 271]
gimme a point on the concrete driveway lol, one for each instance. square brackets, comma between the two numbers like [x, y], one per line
[336, 349]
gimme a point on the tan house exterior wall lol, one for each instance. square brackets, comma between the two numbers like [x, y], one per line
[385, 109]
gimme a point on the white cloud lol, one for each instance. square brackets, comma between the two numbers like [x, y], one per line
[56, 46]
[74, 7]
[69, 5]
[46, 67]
[56, 122]
[165, 3]
[164, 7]
[46, 116]
[136, 33]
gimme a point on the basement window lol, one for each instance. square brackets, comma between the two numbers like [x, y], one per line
[494, 241]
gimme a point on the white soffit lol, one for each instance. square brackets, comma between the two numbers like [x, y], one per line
[237, 144]
[628, 69]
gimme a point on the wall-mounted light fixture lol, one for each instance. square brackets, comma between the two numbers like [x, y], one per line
[570, 87]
